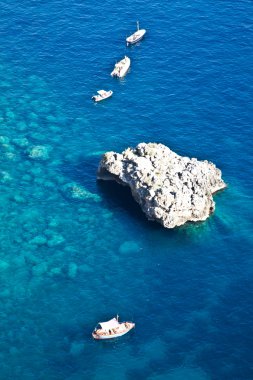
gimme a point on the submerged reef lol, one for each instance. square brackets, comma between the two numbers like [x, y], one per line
[77, 192]
[39, 152]
[170, 189]
[45, 214]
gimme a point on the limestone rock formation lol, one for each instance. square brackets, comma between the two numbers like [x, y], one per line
[170, 189]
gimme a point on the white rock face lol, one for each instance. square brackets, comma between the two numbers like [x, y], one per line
[170, 189]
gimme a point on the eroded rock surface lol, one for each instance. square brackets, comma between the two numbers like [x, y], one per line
[170, 189]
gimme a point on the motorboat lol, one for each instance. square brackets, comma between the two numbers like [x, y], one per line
[102, 95]
[136, 36]
[112, 329]
[121, 67]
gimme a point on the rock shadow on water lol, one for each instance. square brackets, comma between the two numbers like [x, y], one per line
[82, 170]
[116, 196]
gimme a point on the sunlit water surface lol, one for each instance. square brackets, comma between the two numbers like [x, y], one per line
[67, 263]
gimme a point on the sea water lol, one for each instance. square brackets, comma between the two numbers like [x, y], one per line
[74, 251]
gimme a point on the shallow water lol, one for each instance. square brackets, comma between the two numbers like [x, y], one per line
[67, 263]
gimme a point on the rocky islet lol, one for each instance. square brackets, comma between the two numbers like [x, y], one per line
[170, 189]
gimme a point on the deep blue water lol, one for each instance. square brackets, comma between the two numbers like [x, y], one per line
[67, 264]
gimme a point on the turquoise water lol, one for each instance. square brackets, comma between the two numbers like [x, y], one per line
[67, 263]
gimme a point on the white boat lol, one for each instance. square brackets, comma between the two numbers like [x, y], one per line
[121, 67]
[112, 329]
[102, 95]
[136, 36]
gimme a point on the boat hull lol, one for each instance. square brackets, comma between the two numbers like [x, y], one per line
[124, 68]
[136, 37]
[99, 98]
[113, 336]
